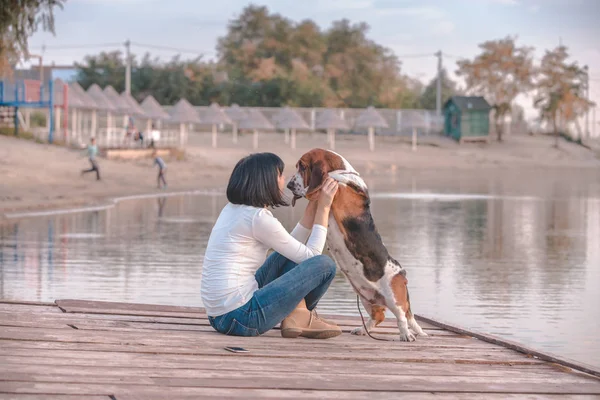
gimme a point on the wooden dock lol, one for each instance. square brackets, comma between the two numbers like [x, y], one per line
[99, 350]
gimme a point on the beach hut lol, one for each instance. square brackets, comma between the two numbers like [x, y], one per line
[255, 120]
[122, 108]
[104, 104]
[467, 118]
[183, 113]
[134, 108]
[290, 120]
[88, 104]
[154, 112]
[214, 116]
[371, 119]
[330, 121]
[235, 114]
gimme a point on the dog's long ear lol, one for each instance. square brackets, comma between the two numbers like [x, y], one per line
[316, 181]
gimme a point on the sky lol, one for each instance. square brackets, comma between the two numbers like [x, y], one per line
[407, 27]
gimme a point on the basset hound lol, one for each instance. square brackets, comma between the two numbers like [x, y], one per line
[354, 243]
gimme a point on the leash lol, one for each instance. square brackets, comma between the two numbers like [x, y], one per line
[365, 325]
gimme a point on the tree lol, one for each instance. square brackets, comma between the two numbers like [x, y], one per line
[560, 89]
[428, 99]
[337, 67]
[18, 21]
[103, 69]
[500, 73]
[268, 60]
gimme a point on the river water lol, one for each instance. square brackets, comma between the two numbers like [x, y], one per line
[511, 255]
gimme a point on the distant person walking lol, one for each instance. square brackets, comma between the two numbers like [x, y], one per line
[92, 152]
[162, 168]
[154, 136]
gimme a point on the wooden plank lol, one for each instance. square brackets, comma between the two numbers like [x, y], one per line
[132, 350]
[324, 381]
[29, 303]
[343, 343]
[390, 373]
[28, 320]
[200, 393]
[122, 392]
[152, 309]
[16, 396]
[10, 314]
[424, 357]
[146, 313]
[546, 356]
[29, 308]
[115, 361]
[132, 307]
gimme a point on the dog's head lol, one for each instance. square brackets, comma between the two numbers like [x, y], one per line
[313, 168]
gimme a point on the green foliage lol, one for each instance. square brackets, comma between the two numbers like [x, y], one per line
[500, 72]
[38, 119]
[429, 97]
[268, 60]
[561, 89]
[18, 21]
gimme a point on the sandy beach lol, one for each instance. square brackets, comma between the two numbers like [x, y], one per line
[41, 176]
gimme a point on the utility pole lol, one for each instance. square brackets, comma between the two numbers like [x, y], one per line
[127, 67]
[587, 99]
[438, 98]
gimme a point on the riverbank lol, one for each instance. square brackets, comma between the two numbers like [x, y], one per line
[40, 176]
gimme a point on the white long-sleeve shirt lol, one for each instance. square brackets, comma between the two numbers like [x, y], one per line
[238, 246]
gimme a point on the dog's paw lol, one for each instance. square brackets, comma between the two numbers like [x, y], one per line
[360, 331]
[422, 334]
[408, 337]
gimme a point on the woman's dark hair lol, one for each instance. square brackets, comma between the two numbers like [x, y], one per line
[253, 181]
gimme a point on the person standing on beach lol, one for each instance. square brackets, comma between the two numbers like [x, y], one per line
[154, 136]
[92, 152]
[162, 168]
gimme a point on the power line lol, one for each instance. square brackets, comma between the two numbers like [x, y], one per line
[415, 55]
[169, 48]
[79, 46]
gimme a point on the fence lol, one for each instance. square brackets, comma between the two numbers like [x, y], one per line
[400, 122]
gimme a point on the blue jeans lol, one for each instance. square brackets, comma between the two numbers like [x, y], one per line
[282, 285]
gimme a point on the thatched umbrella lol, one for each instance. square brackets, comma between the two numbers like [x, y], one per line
[330, 121]
[184, 113]
[255, 120]
[134, 107]
[414, 119]
[235, 114]
[214, 115]
[153, 111]
[289, 119]
[87, 102]
[103, 104]
[121, 106]
[371, 119]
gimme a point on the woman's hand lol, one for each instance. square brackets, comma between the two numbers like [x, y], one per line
[328, 191]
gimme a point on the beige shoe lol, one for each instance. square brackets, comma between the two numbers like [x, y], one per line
[308, 324]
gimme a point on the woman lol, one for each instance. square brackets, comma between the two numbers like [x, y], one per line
[243, 298]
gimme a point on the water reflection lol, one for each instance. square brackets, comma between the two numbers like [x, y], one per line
[524, 266]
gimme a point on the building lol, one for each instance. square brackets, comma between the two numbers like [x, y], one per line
[467, 118]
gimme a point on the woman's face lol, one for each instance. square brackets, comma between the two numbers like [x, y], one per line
[281, 182]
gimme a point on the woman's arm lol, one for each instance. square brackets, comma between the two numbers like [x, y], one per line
[326, 196]
[309, 214]
[301, 231]
[269, 230]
